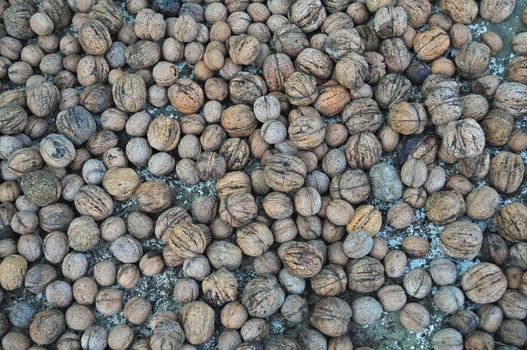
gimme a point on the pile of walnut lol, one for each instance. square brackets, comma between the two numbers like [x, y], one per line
[318, 94]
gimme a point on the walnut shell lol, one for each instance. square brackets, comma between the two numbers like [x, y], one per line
[365, 275]
[185, 239]
[186, 96]
[220, 287]
[484, 283]
[307, 131]
[276, 70]
[263, 296]
[331, 316]
[254, 239]
[163, 133]
[506, 172]
[154, 196]
[363, 150]
[417, 11]
[496, 11]
[13, 119]
[41, 187]
[460, 11]
[121, 183]
[13, 269]
[464, 138]
[330, 281]
[42, 98]
[47, 326]
[150, 25]
[93, 201]
[238, 209]
[16, 20]
[302, 259]
[472, 61]
[94, 37]
[284, 173]
[431, 44]
[301, 89]
[511, 222]
[461, 240]
[443, 105]
[197, 319]
[512, 98]
[243, 49]
[129, 93]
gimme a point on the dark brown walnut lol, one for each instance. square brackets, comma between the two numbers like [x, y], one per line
[498, 126]
[443, 105]
[197, 319]
[443, 207]
[331, 316]
[431, 44]
[302, 259]
[407, 118]
[351, 70]
[362, 115]
[47, 326]
[517, 69]
[472, 61]
[185, 239]
[94, 37]
[284, 173]
[390, 22]
[494, 248]
[243, 49]
[276, 70]
[511, 222]
[506, 172]
[365, 275]
[301, 89]
[475, 168]
[496, 11]
[42, 98]
[459, 10]
[290, 40]
[512, 98]
[93, 201]
[341, 42]
[142, 54]
[396, 55]
[96, 98]
[163, 133]
[461, 240]
[330, 281]
[238, 209]
[392, 88]
[262, 296]
[464, 138]
[220, 287]
[129, 93]
[363, 150]
[154, 196]
[254, 239]
[41, 187]
[13, 119]
[16, 20]
[484, 283]
[315, 63]
[353, 186]
[417, 11]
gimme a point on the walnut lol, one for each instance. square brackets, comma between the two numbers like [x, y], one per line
[496, 11]
[186, 96]
[263, 296]
[16, 19]
[443, 105]
[197, 319]
[392, 88]
[330, 281]
[407, 118]
[365, 275]
[42, 98]
[511, 222]
[353, 186]
[443, 207]
[484, 283]
[163, 133]
[390, 22]
[302, 259]
[243, 49]
[41, 187]
[13, 270]
[363, 150]
[284, 173]
[460, 11]
[431, 44]
[290, 39]
[150, 25]
[238, 209]
[154, 196]
[129, 93]
[220, 287]
[341, 42]
[417, 11]
[13, 119]
[464, 138]
[351, 70]
[506, 172]
[307, 131]
[254, 239]
[472, 61]
[94, 37]
[512, 98]
[245, 88]
[332, 98]
[461, 240]
[276, 70]
[301, 89]
[307, 14]
[396, 55]
[331, 316]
